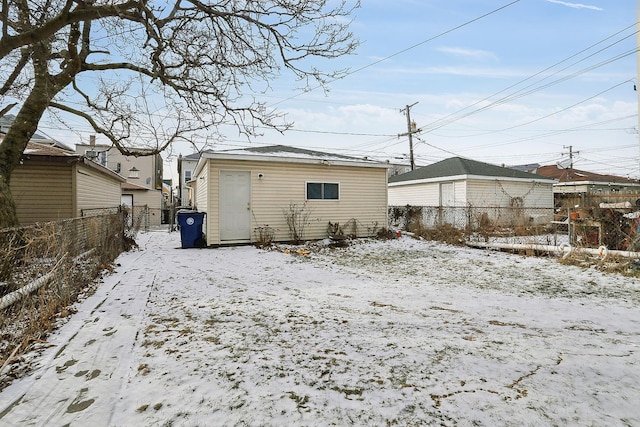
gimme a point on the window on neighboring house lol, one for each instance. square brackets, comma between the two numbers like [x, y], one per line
[99, 157]
[134, 173]
[102, 158]
[118, 167]
[323, 191]
[187, 176]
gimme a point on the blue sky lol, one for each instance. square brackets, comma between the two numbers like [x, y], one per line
[501, 81]
[439, 54]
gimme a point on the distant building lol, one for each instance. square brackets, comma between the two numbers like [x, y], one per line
[574, 186]
[186, 167]
[531, 167]
[143, 174]
[7, 120]
[145, 171]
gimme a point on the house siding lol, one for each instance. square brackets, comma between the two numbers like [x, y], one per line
[149, 166]
[95, 190]
[423, 194]
[499, 193]
[152, 199]
[493, 199]
[460, 195]
[363, 196]
[187, 194]
[42, 192]
[200, 189]
[473, 192]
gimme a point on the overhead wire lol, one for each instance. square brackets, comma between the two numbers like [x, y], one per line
[400, 52]
[518, 94]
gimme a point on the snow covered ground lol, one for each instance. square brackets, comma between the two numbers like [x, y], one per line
[401, 332]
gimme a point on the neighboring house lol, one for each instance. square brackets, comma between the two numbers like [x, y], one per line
[186, 166]
[141, 173]
[574, 187]
[143, 201]
[7, 120]
[145, 171]
[259, 189]
[398, 169]
[51, 184]
[462, 190]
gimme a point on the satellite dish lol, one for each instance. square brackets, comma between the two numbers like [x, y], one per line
[564, 164]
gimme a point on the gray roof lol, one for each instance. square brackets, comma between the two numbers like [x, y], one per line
[192, 156]
[284, 150]
[456, 166]
[7, 120]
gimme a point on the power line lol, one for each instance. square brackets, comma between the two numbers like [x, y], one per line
[518, 94]
[357, 70]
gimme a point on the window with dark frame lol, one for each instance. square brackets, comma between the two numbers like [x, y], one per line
[323, 191]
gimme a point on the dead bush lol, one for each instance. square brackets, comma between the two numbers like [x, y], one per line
[63, 260]
[446, 233]
[298, 219]
[386, 234]
[264, 236]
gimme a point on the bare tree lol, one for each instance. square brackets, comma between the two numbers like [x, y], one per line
[147, 73]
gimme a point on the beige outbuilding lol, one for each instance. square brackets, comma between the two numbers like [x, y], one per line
[51, 184]
[290, 193]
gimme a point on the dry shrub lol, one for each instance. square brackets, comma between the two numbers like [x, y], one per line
[264, 236]
[298, 219]
[74, 251]
[612, 264]
[443, 233]
[413, 218]
[386, 234]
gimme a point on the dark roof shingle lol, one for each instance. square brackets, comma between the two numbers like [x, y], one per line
[577, 175]
[455, 166]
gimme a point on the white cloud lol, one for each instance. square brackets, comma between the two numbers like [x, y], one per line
[575, 5]
[468, 53]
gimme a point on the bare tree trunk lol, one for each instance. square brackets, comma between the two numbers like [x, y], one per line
[8, 217]
[11, 149]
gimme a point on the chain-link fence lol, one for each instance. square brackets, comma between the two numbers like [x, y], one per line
[45, 267]
[139, 217]
[615, 226]
[472, 219]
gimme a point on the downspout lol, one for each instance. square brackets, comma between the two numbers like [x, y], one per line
[180, 179]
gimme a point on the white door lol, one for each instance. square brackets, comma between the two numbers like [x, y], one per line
[447, 195]
[235, 206]
[447, 201]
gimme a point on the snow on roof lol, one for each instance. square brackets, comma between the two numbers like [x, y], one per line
[51, 152]
[47, 150]
[272, 152]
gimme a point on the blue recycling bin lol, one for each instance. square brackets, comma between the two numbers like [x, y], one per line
[190, 223]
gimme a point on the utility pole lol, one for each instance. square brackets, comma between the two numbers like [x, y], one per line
[570, 147]
[638, 70]
[411, 129]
